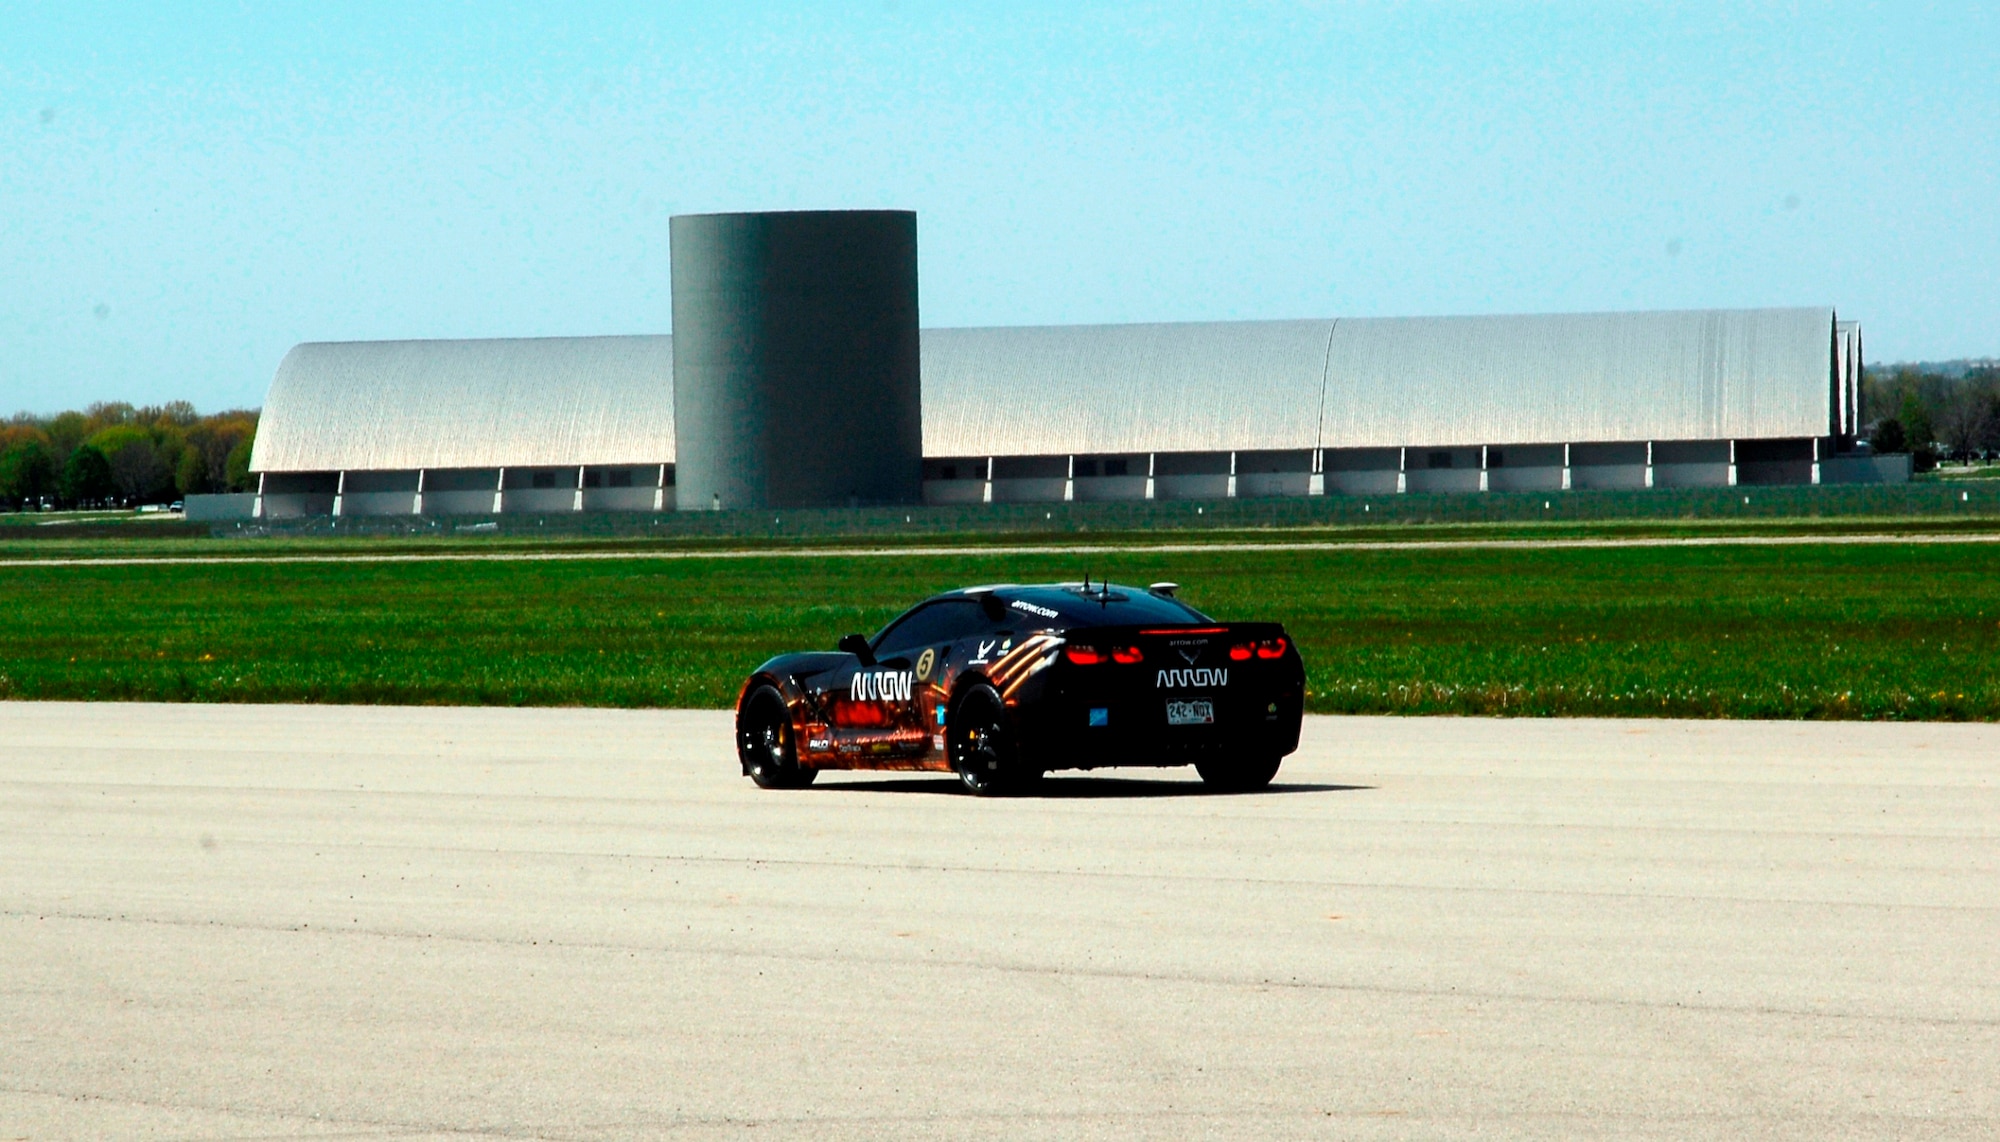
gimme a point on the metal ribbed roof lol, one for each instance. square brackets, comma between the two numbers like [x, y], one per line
[1052, 390]
[1699, 375]
[469, 404]
[1378, 382]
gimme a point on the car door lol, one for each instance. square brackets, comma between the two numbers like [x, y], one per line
[891, 708]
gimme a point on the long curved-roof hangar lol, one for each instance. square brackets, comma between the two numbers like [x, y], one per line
[1050, 390]
[1025, 412]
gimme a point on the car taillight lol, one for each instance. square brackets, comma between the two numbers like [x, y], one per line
[1240, 652]
[1271, 648]
[1127, 655]
[1084, 655]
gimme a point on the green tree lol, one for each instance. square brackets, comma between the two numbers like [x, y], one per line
[86, 477]
[141, 473]
[143, 470]
[1966, 415]
[1888, 437]
[178, 413]
[240, 478]
[107, 413]
[1917, 431]
[66, 431]
[214, 437]
[170, 443]
[27, 471]
[1985, 381]
[191, 474]
[109, 440]
[19, 429]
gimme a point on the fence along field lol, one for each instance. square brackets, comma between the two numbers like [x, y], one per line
[1877, 631]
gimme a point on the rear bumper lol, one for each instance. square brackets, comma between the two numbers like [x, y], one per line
[1082, 731]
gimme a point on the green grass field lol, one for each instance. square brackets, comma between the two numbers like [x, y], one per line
[149, 540]
[1816, 631]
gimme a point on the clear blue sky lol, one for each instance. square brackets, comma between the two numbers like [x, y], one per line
[188, 190]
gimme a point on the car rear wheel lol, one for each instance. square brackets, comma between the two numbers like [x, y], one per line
[1239, 773]
[765, 744]
[982, 747]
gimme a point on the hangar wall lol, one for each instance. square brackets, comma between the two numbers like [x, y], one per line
[1371, 406]
[1381, 382]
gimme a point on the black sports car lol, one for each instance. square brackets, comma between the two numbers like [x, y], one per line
[1001, 684]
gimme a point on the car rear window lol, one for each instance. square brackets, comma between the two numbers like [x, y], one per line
[1119, 606]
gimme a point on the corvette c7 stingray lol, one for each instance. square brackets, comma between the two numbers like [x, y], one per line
[1001, 684]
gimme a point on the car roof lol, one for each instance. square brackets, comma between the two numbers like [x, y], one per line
[1074, 604]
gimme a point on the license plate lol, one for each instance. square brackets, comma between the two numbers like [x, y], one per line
[1190, 713]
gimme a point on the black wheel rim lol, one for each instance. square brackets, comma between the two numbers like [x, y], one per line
[982, 749]
[985, 750]
[767, 741]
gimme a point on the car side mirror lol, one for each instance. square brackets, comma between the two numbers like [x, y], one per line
[857, 645]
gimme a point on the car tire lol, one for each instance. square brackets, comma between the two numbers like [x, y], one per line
[1239, 773]
[980, 744]
[766, 745]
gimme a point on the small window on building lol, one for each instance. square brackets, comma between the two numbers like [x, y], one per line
[1114, 467]
[1495, 458]
[621, 477]
[1086, 468]
[667, 477]
[948, 472]
[1440, 460]
[593, 478]
[545, 479]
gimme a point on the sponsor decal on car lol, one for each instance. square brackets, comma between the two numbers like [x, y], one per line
[924, 663]
[1044, 612]
[1202, 676]
[880, 686]
[850, 714]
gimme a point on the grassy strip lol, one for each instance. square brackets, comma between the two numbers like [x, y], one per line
[1801, 632]
[138, 545]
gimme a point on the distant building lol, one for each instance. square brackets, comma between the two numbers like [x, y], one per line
[1354, 406]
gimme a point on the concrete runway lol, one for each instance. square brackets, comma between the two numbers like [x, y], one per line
[340, 922]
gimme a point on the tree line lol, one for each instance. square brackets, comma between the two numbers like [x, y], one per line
[1934, 416]
[113, 454]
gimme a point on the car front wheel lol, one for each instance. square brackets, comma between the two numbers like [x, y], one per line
[765, 743]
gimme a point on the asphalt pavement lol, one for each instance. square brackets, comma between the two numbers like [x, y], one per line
[389, 923]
